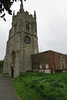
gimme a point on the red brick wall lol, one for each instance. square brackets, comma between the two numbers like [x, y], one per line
[40, 59]
[49, 57]
[55, 61]
[52, 65]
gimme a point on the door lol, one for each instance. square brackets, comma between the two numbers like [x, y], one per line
[13, 55]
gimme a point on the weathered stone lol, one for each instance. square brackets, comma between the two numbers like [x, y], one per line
[19, 50]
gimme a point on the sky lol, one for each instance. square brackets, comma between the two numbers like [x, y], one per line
[51, 25]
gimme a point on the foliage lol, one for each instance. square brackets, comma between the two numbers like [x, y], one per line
[1, 66]
[6, 5]
[1, 63]
[0, 72]
[39, 86]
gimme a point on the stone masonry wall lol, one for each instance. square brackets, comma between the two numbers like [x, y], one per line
[21, 62]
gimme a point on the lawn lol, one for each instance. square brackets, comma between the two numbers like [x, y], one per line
[39, 86]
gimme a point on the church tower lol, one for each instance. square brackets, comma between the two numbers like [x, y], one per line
[21, 44]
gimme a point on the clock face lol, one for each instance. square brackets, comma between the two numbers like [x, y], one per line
[27, 39]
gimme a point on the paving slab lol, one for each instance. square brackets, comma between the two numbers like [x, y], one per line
[7, 91]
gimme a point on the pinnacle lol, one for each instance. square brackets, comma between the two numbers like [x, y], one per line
[21, 6]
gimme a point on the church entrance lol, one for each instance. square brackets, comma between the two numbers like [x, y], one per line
[13, 55]
[12, 72]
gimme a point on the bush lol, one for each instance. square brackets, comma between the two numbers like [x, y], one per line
[1, 63]
[1, 66]
[48, 86]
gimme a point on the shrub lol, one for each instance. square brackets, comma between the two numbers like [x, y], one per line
[1, 66]
[1, 63]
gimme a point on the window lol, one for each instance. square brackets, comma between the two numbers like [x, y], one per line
[40, 66]
[62, 62]
[61, 57]
[47, 66]
[15, 28]
[27, 27]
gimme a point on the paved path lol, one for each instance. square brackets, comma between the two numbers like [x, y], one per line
[7, 91]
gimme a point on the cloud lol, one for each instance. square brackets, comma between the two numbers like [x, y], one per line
[51, 24]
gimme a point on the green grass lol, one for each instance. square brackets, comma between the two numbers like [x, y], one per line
[0, 73]
[39, 86]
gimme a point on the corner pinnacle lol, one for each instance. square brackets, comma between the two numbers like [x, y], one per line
[21, 6]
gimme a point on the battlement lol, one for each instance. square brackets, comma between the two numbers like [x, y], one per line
[23, 13]
[25, 21]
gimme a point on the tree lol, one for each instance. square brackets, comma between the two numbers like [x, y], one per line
[1, 63]
[6, 5]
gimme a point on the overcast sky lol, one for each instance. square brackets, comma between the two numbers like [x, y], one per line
[51, 25]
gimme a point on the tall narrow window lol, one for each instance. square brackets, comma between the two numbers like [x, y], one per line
[47, 66]
[27, 27]
[15, 28]
[62, 62]
[40, 66]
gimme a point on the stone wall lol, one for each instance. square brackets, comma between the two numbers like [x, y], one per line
[23, 24]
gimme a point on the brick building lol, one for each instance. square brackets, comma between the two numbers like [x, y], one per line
[49, 62]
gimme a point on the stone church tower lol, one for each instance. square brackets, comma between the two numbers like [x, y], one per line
[21, 44]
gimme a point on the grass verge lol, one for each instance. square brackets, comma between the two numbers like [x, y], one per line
[39, 86]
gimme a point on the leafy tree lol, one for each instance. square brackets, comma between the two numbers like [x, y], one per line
[6, 5]
[1, 63]
[1, 66]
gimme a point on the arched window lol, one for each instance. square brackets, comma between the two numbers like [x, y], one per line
[13, 55]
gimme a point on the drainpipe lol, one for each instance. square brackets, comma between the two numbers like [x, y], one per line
[54, 62]
[50, 61]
